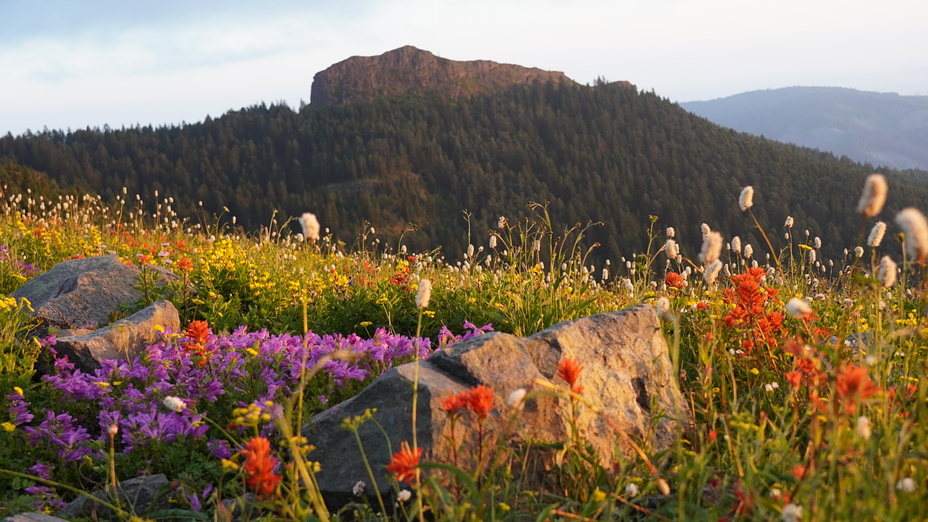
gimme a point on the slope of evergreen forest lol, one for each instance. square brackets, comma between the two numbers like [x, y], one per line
[605, 153]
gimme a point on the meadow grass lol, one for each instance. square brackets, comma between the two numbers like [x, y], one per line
[804, 375]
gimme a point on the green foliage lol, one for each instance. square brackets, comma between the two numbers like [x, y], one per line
[604, 153]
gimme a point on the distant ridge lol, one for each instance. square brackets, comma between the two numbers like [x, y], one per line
[883, 129]
[409, 70]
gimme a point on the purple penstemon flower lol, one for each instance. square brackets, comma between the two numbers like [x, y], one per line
[18, 408]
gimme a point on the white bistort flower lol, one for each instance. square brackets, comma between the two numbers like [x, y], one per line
[746, 199]
[886, 273]
[424, 293]
[873, 197]
[863, 427]
[712, 272]
[175, 404]
[791, 513]
[915, 228]
[310, 226]
[906, 485]
[631, 490]
[711, 248]
[876, 234]
[798, 308]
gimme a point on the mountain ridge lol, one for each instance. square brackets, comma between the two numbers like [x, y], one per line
[409, 70]
[882, 129]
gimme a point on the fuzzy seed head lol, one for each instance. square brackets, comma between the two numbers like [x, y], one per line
[874, 196]
[746, 199]
[915, 227]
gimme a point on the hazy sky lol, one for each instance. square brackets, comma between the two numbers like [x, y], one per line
[68, 64]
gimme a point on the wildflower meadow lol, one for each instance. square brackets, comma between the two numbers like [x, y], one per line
[804, 374]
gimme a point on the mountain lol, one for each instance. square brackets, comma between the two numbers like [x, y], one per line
[408, 70]
[883, 129]
[428, 169]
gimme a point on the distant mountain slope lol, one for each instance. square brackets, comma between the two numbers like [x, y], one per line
[409, 70]
[883, 129]
[408, 161]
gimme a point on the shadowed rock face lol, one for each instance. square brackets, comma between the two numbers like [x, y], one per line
[630, 393]
[80, 293]
[408, 70]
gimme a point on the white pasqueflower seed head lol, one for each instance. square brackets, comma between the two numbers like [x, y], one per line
[704, 228]
[712, 271]
[711, 248]
[915, 227]
[873, 197]
[886, 273]
[906, 485]
[798, 308]
[672, 249]
[864, 429]
[516, 398]
[671, 232]
[631, 490]
[746, 199]
[791, 513]
[876, 234]
[859, 252]
[175, 404]
[424, 293]
[310, 226]
[663, 309]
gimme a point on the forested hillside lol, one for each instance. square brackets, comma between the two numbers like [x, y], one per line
[597, 153]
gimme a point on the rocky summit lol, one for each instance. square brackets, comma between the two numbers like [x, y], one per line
[409, 70]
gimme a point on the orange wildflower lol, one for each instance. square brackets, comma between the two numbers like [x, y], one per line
[404, 463]
[259, 467]
[750, 316]
[854, 384]
[184, 264]
[569, 370]
[480, 401]
[454, 404]
[674, 280]
[197, 333]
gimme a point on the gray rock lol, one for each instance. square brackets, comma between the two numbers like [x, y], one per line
[85, 292]
[125, 339]
[629, 385]
[33, 517]
[138, 496]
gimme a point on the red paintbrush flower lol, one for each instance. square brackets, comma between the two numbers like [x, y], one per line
[480, 401]
[674, 281]
[404, 463]
[854, 384]
[259, 467]
[569, 370]
[197, 334]
[454, 404]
